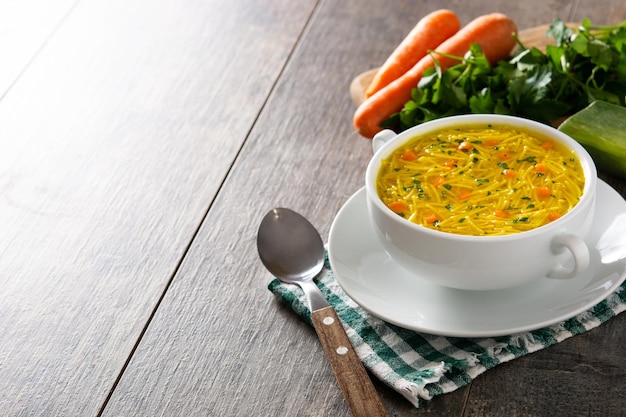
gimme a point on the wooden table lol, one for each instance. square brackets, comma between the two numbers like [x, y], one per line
[141, 144]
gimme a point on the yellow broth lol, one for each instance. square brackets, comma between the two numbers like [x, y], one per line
[481, 180]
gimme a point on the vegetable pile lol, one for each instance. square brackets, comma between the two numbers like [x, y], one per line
[474, 71]
[584, 65]
[492, 32]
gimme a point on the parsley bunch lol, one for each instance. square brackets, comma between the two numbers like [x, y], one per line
[584, 65]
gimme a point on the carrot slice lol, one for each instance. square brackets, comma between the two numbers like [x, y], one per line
[503, 214]
[464, 195]
[428, 33]
[408, 155]
[504, 155]
[465, 146]
[509, 173]
[398, 206]
[543, 192]
[553, 216]
[493, 32]
[431, 218]
[438, 181]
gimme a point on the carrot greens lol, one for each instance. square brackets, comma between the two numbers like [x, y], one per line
[585, 64]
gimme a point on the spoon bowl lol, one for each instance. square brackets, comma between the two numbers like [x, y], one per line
[293, 251]
[289, 246]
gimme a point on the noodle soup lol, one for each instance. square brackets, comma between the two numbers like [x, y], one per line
[481, 180]
[492, 201]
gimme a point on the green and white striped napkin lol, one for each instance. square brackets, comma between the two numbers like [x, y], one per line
[420, 366]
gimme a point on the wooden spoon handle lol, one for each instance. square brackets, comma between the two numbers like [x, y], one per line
[352, 377]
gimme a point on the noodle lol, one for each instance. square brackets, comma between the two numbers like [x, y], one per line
[481, 180]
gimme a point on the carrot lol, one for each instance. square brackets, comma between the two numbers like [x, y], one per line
[397, 206]
[509, 173]
[464, 195]
[465, 146]
[492, 32]
[553, 216]
[543, 192]
[431, 218]
[429, 32]
[408, 155]
[504, 155]
[503, 214]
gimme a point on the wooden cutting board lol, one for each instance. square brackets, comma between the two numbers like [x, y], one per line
[533, 37]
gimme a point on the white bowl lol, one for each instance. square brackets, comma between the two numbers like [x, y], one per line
[555, 250]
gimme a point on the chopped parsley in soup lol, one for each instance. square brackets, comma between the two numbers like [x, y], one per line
[492, 180]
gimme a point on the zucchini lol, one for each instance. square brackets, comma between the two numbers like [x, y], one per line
[601, 129]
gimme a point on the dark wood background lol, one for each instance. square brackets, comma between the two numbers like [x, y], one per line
[140, 145]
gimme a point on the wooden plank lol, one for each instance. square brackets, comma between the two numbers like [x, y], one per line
[114, 143]
[582, 376]
[219, 343]
[25, 27]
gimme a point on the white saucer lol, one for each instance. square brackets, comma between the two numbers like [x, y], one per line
[369, 276]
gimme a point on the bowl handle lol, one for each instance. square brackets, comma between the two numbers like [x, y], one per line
[381, 138]
[580, 253]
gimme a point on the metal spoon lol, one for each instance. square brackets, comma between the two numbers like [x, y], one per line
[292, 250]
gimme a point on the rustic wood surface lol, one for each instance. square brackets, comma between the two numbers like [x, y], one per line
[141, 144]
